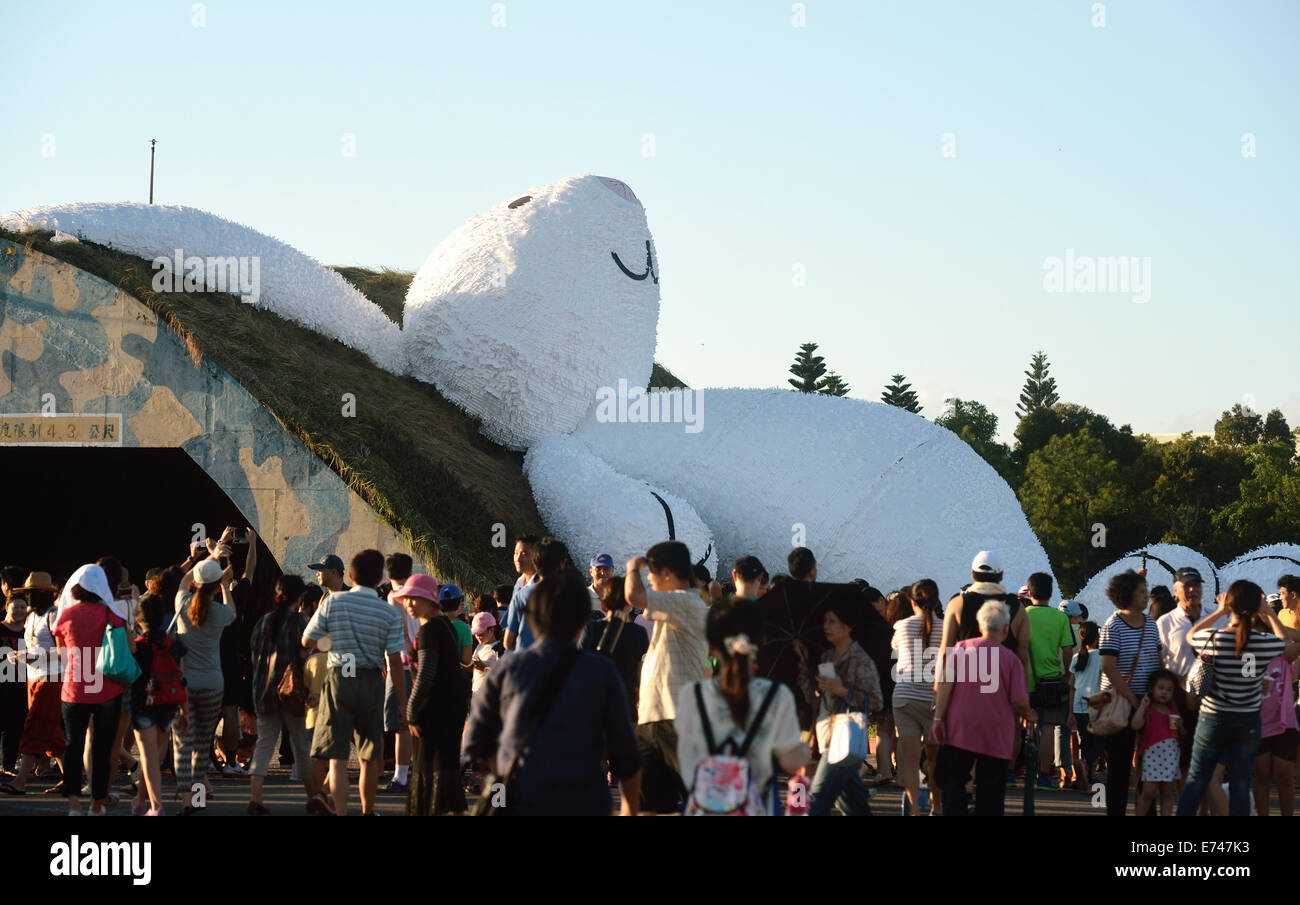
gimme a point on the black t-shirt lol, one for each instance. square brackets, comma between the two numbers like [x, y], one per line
[626, 649]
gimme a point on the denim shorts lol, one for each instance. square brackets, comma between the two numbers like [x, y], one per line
[149, 717]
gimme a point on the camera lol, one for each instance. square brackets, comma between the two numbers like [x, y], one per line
[239, 535]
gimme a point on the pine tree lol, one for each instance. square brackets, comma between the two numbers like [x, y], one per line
[900, 394]
[835, 385]
[1040, 390]
[810, 370]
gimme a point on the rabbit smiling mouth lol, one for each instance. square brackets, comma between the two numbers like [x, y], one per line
[649, 265]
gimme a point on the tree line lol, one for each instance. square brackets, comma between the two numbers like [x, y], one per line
[1093, 491]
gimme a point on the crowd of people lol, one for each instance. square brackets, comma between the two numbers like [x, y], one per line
[566, 693]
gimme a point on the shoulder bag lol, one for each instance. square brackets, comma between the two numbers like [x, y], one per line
[1202, 681]
[554, 683]
[1108, 711]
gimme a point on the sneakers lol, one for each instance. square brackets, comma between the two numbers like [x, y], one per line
[214, 769]
[1047, 783]
[155, 812]
[293, 774]
[396, 787]
[256, 809]
[1011, 779]
[321, 806]
[139, 810]
[233, 769]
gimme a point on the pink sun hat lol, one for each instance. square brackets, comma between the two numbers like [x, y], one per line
[424, 586]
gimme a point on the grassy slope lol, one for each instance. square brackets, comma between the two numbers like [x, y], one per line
[417, 459]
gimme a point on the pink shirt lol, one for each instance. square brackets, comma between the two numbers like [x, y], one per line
[80, 632]
[1277, 708]
[1156, 729]
[987, 678]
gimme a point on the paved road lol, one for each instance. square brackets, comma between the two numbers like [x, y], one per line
[284, 798]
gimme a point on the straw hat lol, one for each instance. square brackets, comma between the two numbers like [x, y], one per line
[38, 581]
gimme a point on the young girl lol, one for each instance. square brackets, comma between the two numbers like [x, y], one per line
[1159, 723]
[154, 708]
[1087, 680]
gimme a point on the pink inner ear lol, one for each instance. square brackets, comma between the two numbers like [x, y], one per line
[620, 188]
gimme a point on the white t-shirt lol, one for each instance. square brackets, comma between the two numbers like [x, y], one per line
[778, 735]
[485, 654]
[1173, 627]
[37, 636]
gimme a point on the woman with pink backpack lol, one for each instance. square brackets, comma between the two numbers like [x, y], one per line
[732, 727]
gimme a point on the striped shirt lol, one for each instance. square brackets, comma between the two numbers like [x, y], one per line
[678, 651]
[361, 627]
[1236, 679]
[1120, 640]
[914, 681]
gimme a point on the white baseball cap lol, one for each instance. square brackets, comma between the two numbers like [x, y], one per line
[207, 572]
[986, 561]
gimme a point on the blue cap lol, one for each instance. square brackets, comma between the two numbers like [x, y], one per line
[329, 562]
[602, 559]
[1070, 608]
[450, 592]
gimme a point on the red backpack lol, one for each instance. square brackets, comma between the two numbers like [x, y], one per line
[166, 680]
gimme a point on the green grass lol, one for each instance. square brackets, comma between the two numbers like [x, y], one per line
[416, 458]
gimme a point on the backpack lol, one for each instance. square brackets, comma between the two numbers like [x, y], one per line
[723, 785]
[166, 680]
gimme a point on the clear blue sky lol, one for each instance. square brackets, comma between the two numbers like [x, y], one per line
[774, 146]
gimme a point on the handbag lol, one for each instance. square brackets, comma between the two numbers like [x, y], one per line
[848, 739]
[486, 804]
[848, 744]
[1203, 681]
[1050, 692]
[1108, 712]
[115, 660]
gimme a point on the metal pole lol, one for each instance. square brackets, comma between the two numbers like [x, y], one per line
[152, 143]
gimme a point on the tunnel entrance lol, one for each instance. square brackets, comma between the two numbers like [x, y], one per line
[67, 507]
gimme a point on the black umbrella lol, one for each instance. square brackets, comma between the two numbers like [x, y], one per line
[794, 642]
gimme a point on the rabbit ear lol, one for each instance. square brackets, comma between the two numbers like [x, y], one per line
[595, 509]
[194, 250]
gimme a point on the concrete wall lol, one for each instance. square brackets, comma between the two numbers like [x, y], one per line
[98, 350]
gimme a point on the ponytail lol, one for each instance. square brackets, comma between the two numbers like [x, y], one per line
[1244, 599]
[733, 682]
[1089, 636]
[926, 593]
[201, 602]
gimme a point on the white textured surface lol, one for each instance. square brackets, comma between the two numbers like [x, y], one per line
[520, 315]
[293, 285]
[1254, 566]
[1093, 595]
[594, 509]
[881, 493]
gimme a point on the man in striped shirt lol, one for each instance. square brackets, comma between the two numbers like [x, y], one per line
[365, 638]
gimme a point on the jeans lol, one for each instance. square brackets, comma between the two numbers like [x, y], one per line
[838, 782]
[1235, 735]
[76, 718]
[952, 769]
